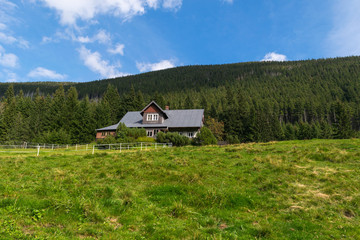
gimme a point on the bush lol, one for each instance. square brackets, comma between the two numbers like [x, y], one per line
[125, 134]
[231, 139]
[205, 137]
[108, 140]
[145, 139]
[161, 137]
[59, 137]
[172, 137]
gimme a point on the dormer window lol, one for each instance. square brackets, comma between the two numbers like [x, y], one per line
[152, 117]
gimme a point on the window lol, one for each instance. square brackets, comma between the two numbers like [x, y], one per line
[156, 131]
[152, 117]
[103, 133]
[190, 134]
[149, 133]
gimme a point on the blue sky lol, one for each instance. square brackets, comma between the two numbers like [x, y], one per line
[85, 40]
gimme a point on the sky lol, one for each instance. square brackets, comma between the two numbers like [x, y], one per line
[86, 40]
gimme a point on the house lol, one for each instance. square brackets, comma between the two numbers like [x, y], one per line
[154, 119]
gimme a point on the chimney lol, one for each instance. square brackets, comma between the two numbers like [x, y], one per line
[166, 107]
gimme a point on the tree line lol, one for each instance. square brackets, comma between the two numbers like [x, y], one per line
[256, 101]
[231, 113]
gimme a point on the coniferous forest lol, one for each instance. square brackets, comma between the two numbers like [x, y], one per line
[244, 102]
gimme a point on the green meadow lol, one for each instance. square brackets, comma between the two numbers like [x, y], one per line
[277, 190]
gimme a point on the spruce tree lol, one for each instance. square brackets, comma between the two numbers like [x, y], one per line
[343, 116]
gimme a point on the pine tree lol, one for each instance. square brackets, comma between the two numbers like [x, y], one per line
[57, 110]
[8, 115]
[189, 104]
[342, 125]
[72, 123]
[159, 99]
[112, 99]
[84, 131]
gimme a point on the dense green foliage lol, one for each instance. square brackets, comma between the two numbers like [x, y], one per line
[257, 101]
[205, 137]
[125, 134]
[172, 137]
[284, 190]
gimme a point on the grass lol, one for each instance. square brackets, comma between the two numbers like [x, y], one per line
[277, 190]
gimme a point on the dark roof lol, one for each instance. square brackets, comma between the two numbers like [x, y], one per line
[188, 118]
[153, 102]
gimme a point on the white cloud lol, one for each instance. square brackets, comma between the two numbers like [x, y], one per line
[6, 11]
[344, 38]
[101, 36]
[119, 49]
[146, 67]
[153, 3]
[6, 7]
[70, 11]
[40, 72]
[84, 39]
[11, 77]
[8, 39]
[172, 4]
[95, 63]
[2, 26]
[8, 59]
[46, 39]
[273, 56]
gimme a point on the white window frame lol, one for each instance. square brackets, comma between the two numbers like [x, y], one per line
[152, 117]
[149, 133]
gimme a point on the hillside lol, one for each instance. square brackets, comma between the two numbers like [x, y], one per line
[328, 75]
[277, 190]
[246, 102]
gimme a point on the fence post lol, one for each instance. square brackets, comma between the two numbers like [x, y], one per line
[52, 147]
[155, 145]
[67, 146]
[38, 150]
[141, 147]
[109, 146]
[93, 149]
[44, 145]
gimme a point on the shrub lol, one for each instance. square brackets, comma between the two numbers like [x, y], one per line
[108, 140]
[125, 134]
[205, 137]
[145, 139]
[172, 137]
[231, 139]
[59, 137]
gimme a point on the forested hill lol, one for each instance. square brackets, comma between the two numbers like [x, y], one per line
[339, 76]
[256, 101]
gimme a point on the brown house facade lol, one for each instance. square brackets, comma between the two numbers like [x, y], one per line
[154, 119]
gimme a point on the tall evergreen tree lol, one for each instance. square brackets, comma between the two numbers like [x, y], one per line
[342, 124]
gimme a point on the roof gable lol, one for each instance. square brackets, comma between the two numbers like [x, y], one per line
[154, 104]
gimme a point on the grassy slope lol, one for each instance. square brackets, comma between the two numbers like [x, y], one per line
[284, 190]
